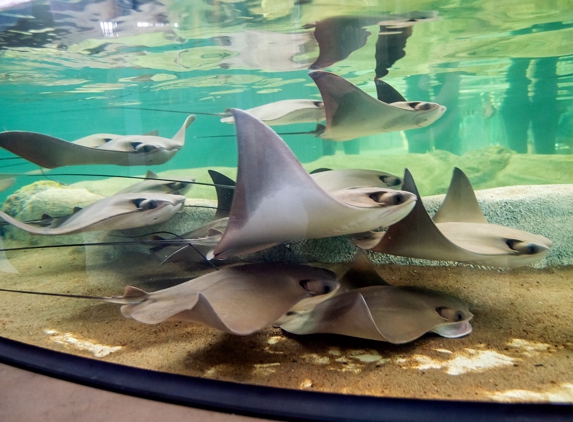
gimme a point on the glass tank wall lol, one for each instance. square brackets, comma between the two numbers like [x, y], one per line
[141, 146]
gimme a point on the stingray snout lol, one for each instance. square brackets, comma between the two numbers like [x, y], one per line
[528, 248]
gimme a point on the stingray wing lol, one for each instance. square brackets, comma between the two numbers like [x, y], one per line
[351, 112]
[224, 194]
[179, 137]
[96, 140]
[417, 236]
[346, 314]
[362, 273]
[49, 152]
[400, 314]
[386, 93]
[238, 300]
[275, 199]
[460, 203]
[338, 37]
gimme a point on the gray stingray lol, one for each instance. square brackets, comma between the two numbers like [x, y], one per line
[283, 112]
[277, 201]
[377, 311]
[328, 179]
[339, 36]
[238, 300]
[131, 150]
[153, 183]
[286, 112]
[352, 113]
[117, 212]
[458, 232]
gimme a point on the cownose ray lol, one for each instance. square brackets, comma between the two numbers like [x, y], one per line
[373, 309]
[194, 246]
[199, 244]
[339, 36]
[458, 232]
[153, 183]
[352, 113]
[131, 150]
[238, 300]
[116, 212]
[328, 179]
[277, 201]
[283, 112]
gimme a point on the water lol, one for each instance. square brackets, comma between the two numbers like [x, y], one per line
[504, 70]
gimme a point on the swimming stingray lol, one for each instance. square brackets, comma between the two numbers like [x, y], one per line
[153, 183]
[238, 300]
[351, 113]
[379, 311]
[277, 201]
[284, 112]
[339, 36]
[458, 232]
[328, 179]
[131, 150]
[117, 212]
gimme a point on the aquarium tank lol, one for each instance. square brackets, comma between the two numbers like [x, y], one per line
[368, 198]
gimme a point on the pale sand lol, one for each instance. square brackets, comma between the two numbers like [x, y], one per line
[521, 348]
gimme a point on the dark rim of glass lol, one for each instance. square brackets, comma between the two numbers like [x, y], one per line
[259, 401]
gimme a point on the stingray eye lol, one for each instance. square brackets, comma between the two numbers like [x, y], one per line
[423, 106]
[106, 139]
[450, 314]
[145, 204]
[523, 247]
[135, 145]
[315, 287]
[398, 199]
[390, 180]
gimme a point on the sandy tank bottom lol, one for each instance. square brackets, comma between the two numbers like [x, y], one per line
[521, 347]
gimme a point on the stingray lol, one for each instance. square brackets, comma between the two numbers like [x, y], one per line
[284, 112]
[131, 150]
[339, 36]
[277, 201]
[458, 232]
[351, 113]
[239, 300]
[194, 246]
[376, 310]
[328, 179]
[153, 183]
[117, 212]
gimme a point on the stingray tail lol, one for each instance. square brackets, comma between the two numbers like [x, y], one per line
[320, 128]
[131, 295]
[176, 111]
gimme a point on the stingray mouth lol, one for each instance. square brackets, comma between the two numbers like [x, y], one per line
[453, 329]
